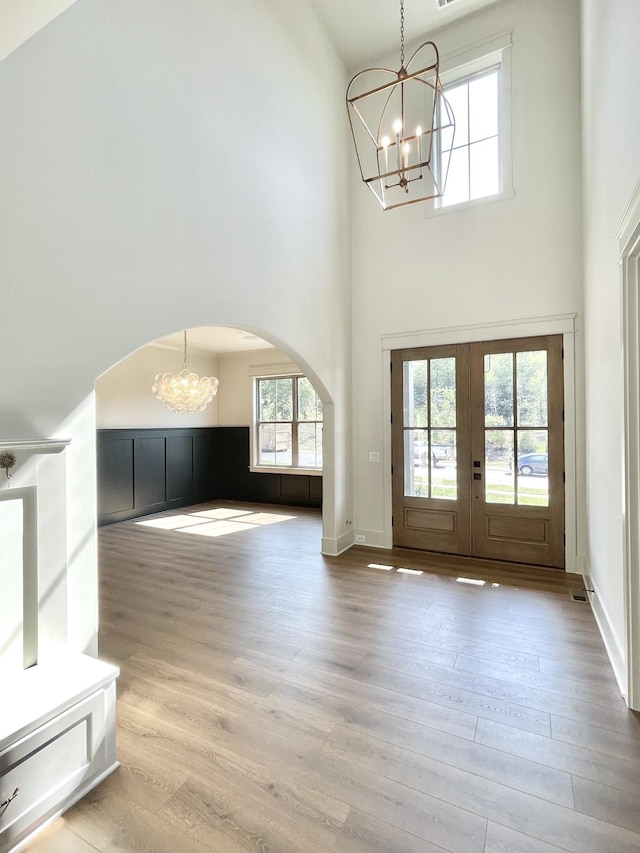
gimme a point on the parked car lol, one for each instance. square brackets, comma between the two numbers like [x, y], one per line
[439, 453]
[532, 463]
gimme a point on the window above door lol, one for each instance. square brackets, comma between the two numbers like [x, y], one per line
[477, 84]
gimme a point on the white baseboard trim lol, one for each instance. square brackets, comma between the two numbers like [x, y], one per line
[575, 565]
[372, 538]
[335, 547]
[612, 646]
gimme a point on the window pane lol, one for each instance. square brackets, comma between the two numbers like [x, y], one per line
[531, 384]
[483, 107]
[415, 393]
[267, 399]
[309, 404]
[274, 442]
[416, 467]
[284, 399]
[533, 467]
[498, 389]
[310, 445]
[457, 189]
[458, 97]
[498, 462]
[443, 392]
[484, 168]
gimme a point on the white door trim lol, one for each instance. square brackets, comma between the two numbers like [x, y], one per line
[628, 235]
[559, 324]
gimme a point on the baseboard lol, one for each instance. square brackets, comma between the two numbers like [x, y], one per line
[611, 644]
[335, 547]
[372, 539]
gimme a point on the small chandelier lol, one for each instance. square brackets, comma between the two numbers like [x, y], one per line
[186, 392]
[402, 127]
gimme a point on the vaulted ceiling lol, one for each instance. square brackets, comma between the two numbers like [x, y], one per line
[360, 29]
[364, 30]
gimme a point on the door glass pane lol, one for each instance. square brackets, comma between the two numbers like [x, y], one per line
[444, 481]
[443, 392]
[531, 384]
[416, 459]
[498, 461]
[533, 467]
[415, 393]
[498, 389]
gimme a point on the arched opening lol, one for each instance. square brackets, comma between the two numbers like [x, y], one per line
[151, 459]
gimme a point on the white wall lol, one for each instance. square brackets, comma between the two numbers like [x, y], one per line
[155, 175]
[507, 261]
[611, 142]
[21, 20]
[124, 399]
[237, 371]
[123, 394]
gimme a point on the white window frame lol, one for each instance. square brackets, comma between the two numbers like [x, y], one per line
[255, 465]
[464, 66]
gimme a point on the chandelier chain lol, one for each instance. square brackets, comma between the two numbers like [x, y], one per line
[402, 33]
[185, 350]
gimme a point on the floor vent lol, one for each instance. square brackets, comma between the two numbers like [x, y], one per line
[578, 595]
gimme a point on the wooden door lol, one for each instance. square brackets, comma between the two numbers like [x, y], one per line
[478, 450]
[431, 460]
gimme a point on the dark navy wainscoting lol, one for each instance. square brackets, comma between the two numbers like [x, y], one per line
[142, 471]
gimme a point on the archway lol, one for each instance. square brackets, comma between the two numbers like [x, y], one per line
[238, 356]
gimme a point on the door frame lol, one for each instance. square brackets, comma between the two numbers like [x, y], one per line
[628, 236]
[560, 324]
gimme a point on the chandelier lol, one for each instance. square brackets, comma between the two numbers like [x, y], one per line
[402, 127]
[185, 392]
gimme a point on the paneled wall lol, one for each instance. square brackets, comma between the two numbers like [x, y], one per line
[142, 471]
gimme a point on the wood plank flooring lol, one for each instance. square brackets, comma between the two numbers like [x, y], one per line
[272, 699]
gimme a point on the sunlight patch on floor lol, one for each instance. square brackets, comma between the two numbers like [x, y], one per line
[221, 512]
[216, 522]
[171, 522]
[218, 528]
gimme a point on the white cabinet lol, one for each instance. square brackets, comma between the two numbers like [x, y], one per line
[57, 740]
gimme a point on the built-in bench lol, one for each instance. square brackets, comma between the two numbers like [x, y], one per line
[57, 740]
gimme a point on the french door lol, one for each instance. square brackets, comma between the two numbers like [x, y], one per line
[478, 450]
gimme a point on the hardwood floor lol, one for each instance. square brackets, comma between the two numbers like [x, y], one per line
[272, 699]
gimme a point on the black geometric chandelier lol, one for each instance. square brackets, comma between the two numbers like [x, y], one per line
[402, 127]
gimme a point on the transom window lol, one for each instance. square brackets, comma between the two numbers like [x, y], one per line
[288, 431]
[474, 167]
